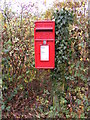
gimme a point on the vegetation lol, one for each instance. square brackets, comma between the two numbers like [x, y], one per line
[59, 93]
[70, 73]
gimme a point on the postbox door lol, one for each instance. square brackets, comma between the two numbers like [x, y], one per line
[45, 55]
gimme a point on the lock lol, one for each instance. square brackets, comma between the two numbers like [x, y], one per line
[44, 42]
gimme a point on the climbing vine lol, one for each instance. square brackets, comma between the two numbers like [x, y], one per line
[70, 74]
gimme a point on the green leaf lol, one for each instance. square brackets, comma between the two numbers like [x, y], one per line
[8, 108]
[28, 72]
[3, 107]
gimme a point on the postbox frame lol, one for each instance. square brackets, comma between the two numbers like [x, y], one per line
[52, 40]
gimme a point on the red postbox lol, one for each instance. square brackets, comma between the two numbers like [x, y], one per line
[44, 41]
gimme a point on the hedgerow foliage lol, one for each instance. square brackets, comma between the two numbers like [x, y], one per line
[70, 75]
[17, 59]
[28, 92]
[24, 88]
